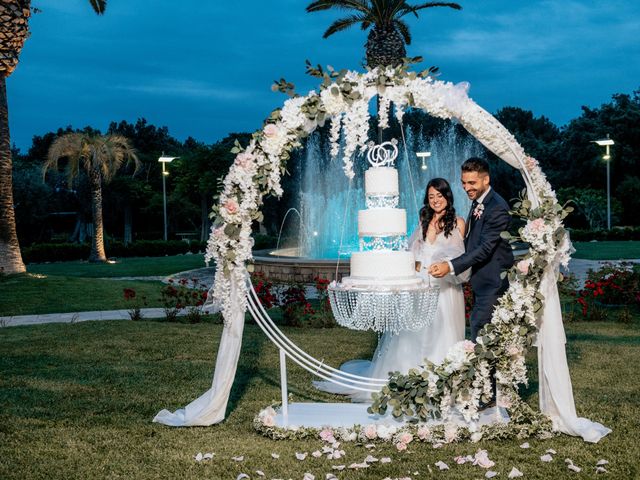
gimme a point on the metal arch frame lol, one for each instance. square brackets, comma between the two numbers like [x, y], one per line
[288, 349]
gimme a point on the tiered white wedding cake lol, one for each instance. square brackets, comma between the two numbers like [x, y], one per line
[383, 259]
[383, 293]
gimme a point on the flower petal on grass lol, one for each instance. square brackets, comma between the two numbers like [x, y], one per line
[515, 473]
[574, 468]
[551, 451]
[238, 459]
[546, 458]
[490, 474]
[275, 455]
[316, 454]
[385, 460]
[370, 459]
[208, 456]
[301, 456]
[242, 475]
[330, 476]
[602, 462]
[308, 476]
[525, 445]
[601, 470]
[198, 457]
[260, 473]
[441, 465]
[338, 467]
[357, 466]
[370, 445]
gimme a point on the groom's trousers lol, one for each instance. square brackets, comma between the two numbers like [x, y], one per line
[483, 306]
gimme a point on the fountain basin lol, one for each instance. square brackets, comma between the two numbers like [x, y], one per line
[284, 265]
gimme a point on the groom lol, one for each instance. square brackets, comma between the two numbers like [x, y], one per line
[487, 254]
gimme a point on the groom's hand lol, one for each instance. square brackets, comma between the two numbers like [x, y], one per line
[439, 270]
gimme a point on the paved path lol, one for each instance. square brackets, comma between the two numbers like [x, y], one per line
[578, 267]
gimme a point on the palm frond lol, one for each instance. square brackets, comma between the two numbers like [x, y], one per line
[99, 6]
[343, 24]
[403, 28]
[455, 6]
[361, 6]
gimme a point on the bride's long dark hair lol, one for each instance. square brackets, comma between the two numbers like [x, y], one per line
[448, 221]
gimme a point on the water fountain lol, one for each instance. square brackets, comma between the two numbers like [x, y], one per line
[327, 203]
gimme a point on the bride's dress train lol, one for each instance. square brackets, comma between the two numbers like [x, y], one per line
[409, 349]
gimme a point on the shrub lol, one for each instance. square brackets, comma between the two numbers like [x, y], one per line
[611, 285]
[60, 252]
[135, 311]
[185, 294]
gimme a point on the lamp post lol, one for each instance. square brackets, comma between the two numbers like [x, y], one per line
[423, 156]
[164, 160]
[606, 143]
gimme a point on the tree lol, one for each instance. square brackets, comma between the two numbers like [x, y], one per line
[14, 30]
[100, 156]
[390, 33]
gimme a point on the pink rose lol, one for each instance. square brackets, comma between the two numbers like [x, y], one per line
[405, 437]
[469, 346]
[244, 160]
[268, 421]
[537, 225]
[401, 446]
[326, 435]
[218, 232]
[523, 266]
[370, 432]
[424, 432]
[270, 130]
[231, 206]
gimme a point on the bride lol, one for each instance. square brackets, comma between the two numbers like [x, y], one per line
[439, 236]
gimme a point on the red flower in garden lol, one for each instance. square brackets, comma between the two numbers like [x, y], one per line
[129, 293]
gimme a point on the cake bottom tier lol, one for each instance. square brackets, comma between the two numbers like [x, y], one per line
[382, 267]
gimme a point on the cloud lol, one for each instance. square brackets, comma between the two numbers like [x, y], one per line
[188, 89]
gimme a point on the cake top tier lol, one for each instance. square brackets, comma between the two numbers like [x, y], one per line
[381, 181]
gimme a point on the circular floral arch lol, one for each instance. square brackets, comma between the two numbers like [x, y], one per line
[343, 100]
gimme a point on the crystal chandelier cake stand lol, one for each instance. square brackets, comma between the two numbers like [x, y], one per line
[384, 310]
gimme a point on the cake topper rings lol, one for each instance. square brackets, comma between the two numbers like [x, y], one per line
[383, 154]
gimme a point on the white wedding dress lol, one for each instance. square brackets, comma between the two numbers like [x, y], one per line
[409, 349]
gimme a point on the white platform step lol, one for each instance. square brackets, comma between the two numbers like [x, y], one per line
[349, 414]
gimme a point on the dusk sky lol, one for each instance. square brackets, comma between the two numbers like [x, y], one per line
[204, 69]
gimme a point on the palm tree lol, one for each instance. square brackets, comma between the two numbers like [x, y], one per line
[14, 30]
[100, 156]
[390, 33]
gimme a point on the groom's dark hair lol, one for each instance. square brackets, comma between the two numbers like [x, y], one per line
[476, 164]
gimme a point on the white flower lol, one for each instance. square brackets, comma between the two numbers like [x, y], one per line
[441, 465]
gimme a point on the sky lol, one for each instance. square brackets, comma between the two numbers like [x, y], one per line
[204, 68]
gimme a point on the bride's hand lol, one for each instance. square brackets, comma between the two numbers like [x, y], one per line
[439, 270]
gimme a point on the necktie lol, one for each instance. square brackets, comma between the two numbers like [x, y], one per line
[470, 218]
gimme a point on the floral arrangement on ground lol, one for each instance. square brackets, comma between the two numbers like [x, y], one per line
[464, 377]
[524, 423]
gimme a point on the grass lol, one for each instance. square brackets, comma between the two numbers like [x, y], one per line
[124, 267]
[609, 250]
[78, 399]
[28, 294]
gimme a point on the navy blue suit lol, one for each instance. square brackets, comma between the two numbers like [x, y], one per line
[488, 255]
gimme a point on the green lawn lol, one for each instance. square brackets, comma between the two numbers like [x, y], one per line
[27, 294]
[124, 267]
[609, 250]
[78, 399]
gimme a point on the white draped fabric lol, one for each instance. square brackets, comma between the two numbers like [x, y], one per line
[556, 393]
[556, 396]
[210, 407]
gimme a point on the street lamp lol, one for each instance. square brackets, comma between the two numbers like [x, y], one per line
[164, 160]
[423, 156]
[606, 143]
